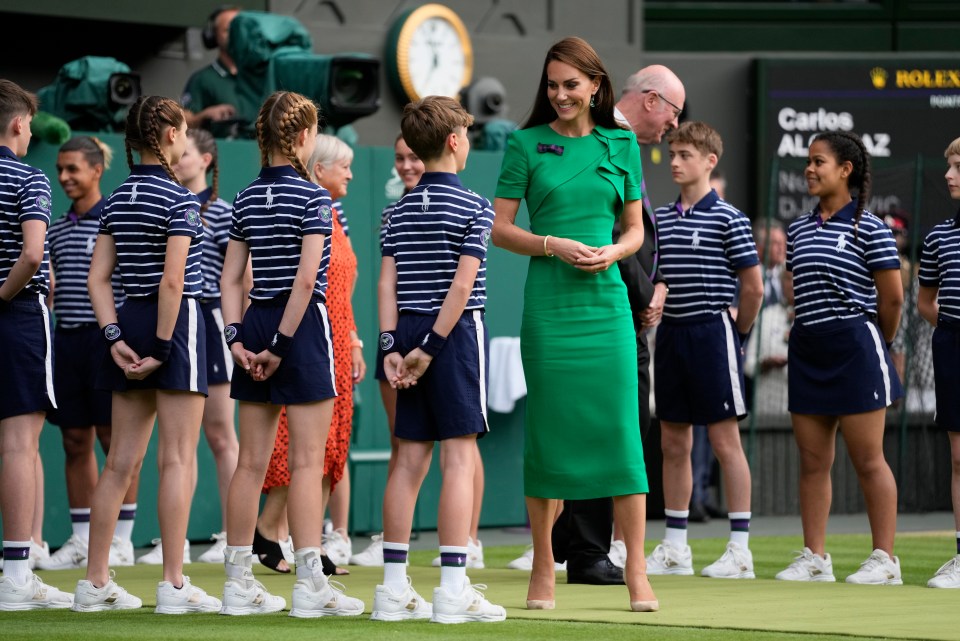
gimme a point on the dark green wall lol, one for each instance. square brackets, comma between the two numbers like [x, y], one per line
[372, 167]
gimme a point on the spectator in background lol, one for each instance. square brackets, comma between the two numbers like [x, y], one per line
[210, 96]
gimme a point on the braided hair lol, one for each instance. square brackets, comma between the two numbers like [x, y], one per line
[206, 144]
[145, 122]
[847, 147]
[282, 117]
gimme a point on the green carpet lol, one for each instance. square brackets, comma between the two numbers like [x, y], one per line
[691, 606]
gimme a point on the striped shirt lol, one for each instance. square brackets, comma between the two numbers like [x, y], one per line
[832, 272]
[216, 235]
[384, 220]
[940, 265]
[272, 215]
[146, 209]
[429, 229]
[71, 239]
[24, 195]
[341, 217]
[701, 250]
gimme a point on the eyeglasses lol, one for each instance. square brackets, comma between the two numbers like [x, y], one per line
[676, 110]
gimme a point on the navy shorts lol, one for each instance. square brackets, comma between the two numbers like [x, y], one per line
[698, 371]
[840, 368]
[378, 372]
[305, 375]
[185, 370]
[78, 353]
[450, 399]
[26, 357]
[219, 359]
[946, 373]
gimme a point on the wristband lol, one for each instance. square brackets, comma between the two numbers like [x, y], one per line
[889, 345]
[161, 349]
[233, 333]
[432, 343]
[4, 304]
[356, 343]
[546, 252]
[388, 342]
[112, 333]
[280, 345]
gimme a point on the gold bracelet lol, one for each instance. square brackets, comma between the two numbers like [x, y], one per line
[546, 252]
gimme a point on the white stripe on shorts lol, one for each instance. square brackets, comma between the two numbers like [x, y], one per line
[478, 323]
[884, 370]
[48, 357]
[227, 356]
[327, 331]
[732, 366]
[192, 311]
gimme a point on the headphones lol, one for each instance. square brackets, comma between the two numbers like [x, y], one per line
[209, 33]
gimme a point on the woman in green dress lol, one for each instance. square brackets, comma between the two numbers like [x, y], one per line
[578, 171]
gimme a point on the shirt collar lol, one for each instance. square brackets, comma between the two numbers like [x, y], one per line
[204, 195]
[620, 118]
[705, 203]
[149, 170]
[847, 212]
[92, 214]
[278, 171]
[440, 178]
[6, 151]
[220, 69]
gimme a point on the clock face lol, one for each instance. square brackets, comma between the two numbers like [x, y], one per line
[437, 61]
[429, 53]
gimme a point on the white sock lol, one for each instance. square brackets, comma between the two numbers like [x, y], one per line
[740, 528]
[676, 530]
[16, 561]
[453, 567]
[395, 566]
[80, 522]
[128, 514]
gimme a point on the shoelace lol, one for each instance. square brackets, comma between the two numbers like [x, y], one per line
[950, 567]
[802, 556]
[872, 563]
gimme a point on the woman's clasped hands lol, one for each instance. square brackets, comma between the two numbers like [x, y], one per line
[589, 259]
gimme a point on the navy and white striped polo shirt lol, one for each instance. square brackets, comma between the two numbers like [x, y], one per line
[272, 215]
[384, 221]
[24, 195]
[429, 229]
[341, 217]
[71, 239]
[940, 265]
[832, 272]
[216, 234]
[701, 250]
[140, 214]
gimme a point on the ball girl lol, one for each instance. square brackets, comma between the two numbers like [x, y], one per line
[151, 230]
[200, 159]
[848, 295]
[939, 304]
[283, 346]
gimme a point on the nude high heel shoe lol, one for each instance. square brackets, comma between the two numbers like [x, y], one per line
[542, 604]
[645, 606]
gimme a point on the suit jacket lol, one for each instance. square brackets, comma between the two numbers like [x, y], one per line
[641, 271]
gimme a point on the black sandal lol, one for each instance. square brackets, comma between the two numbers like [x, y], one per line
[268, 552]
[330, 568]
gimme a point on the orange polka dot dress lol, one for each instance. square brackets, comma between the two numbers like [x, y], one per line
[340, 278]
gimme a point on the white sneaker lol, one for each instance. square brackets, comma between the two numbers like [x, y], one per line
[248, 596]
[320, 597]
[618, 553]
[809, 567]
[879, 569]
[735, 563]
[373, 555]
[187, 599]
[215, 553]
[668, 558]
[469, 605]
[525, 562]
[338, 546]
[155, 556]
[33, 594]
[121, 552]
[38, 552]
[405, 606]
[474, 556]
[89, 598]
[71, 555]
[948, 576]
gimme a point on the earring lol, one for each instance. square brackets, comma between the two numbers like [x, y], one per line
[593, 103]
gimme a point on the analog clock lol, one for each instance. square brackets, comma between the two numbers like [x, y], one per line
[429, 53]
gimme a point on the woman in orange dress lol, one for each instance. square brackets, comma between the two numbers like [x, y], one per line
[329, 167]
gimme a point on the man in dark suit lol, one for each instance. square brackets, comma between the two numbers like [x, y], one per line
[650, 105]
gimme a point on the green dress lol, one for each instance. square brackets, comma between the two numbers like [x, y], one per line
[577, 341]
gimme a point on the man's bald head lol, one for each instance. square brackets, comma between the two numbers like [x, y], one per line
[650, 102]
